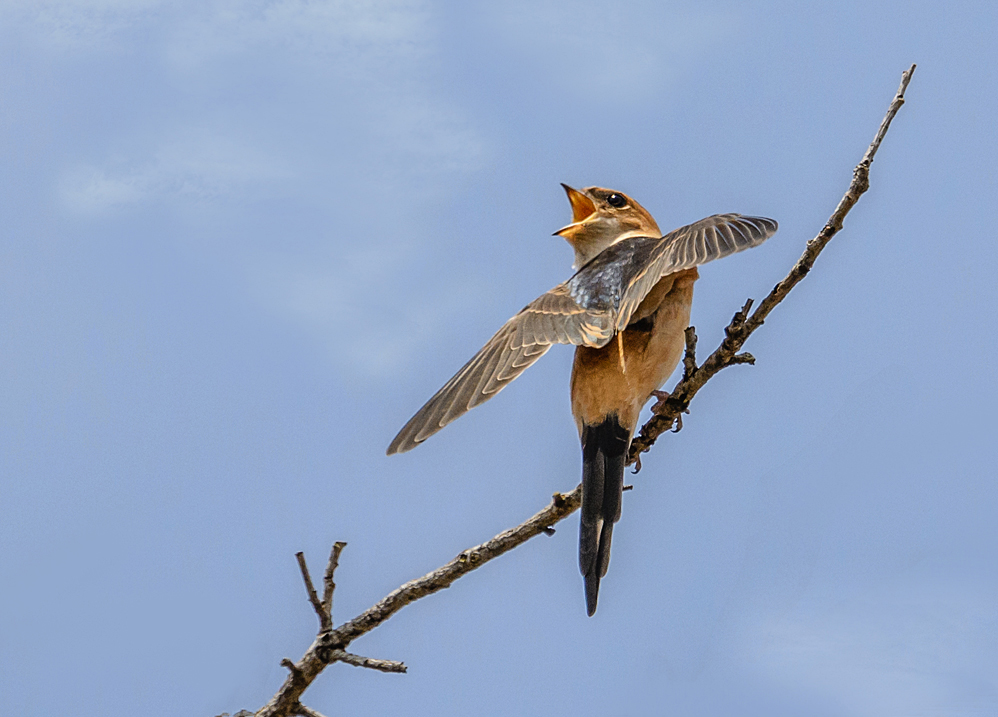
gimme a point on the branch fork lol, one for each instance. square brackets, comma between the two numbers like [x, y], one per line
[330, 650]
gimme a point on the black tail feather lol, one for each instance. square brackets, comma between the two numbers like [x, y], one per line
[592, 592]
[604, 452]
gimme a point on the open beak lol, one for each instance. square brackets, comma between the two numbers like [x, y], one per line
[582, 209]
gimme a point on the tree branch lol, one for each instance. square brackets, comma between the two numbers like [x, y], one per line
[327, 580]
[358, 661]
[743, 325]
[330, 647]
[325, 621]
[330, 644]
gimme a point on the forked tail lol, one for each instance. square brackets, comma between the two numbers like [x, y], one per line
[604, 452]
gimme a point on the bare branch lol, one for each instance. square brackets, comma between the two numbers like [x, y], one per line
[330, 645]
[560, 507]
[358, 661]
[690, 358]
[325, 621]
[327, 580]
[327, 644]
[742, 325]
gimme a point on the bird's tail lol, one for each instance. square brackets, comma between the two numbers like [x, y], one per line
[604, 452]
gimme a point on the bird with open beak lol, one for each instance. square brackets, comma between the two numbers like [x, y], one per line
[625, 310]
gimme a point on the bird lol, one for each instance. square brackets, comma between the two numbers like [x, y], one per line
[625, 310]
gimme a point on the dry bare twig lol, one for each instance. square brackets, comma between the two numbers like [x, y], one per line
[330, 644]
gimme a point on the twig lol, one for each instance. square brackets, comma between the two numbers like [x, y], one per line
[325, 621]
[560, 507]
[743, 324]
[358, 661]
[331, 644]
[327, 580]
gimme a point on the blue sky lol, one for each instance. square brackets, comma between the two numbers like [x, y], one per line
[243, 242]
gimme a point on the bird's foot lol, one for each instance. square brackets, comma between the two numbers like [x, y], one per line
[662, 397]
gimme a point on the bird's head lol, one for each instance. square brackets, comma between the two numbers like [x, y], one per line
[602, 217]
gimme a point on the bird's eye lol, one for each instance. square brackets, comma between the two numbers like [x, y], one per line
[616, 200]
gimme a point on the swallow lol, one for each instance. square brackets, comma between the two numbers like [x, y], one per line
[625, 310]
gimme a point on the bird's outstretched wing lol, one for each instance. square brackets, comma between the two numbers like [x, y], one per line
[587, 310]
[552, 318]
[686, 247]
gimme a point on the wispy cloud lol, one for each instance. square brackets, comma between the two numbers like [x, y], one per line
[318, 100]
[347, 36]
[370, 55]
[607, 52]
[201, 166]
[371, 59]
[352, 309]
[343, 106]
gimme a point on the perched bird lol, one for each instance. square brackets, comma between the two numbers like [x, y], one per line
[626, 310]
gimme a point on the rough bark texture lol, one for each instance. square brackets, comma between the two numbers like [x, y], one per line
[330, 644]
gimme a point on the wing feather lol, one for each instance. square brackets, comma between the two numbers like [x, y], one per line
[689, 246]
[557, 317]
[553, 318]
